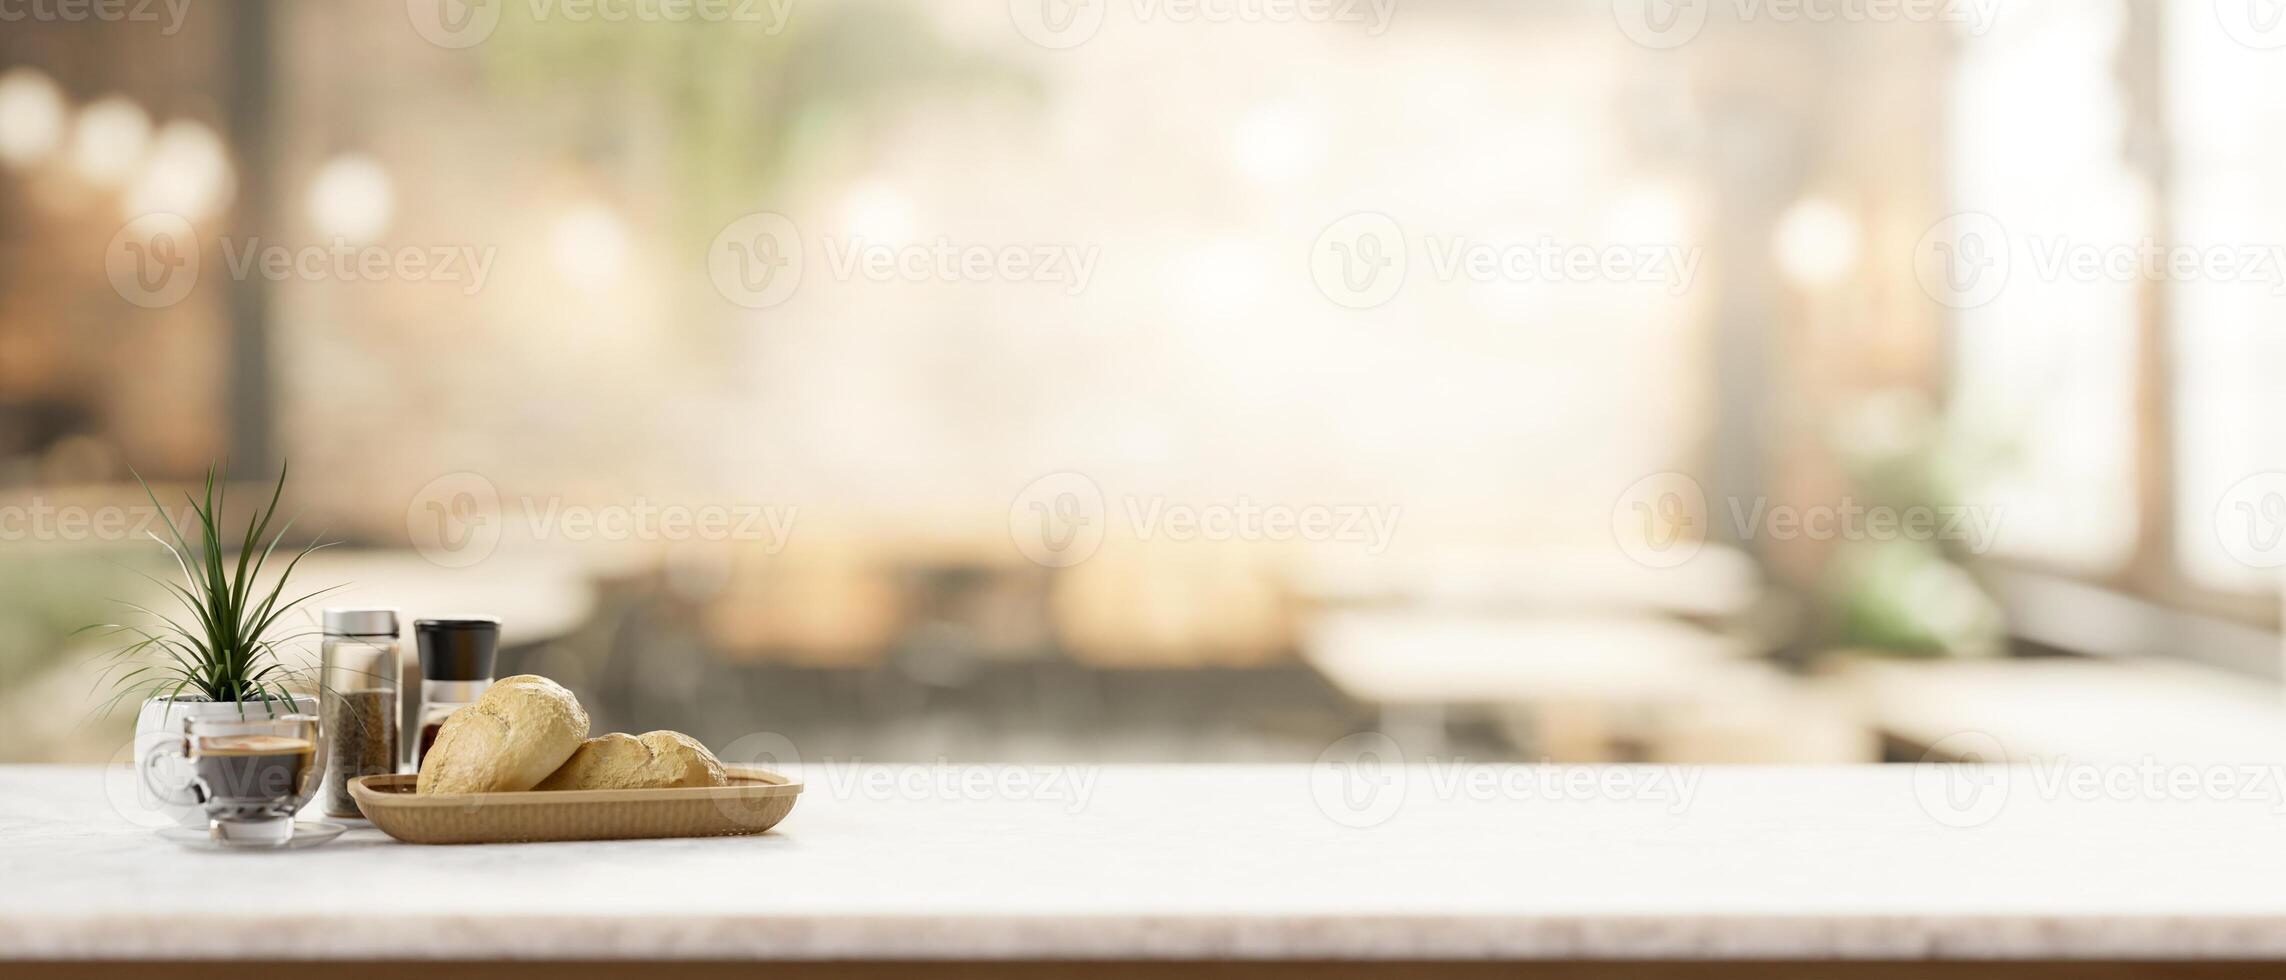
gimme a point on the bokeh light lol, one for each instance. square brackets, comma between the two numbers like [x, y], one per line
[1816, 243]
[188, 173]
[351, 197]
[31, 117]
[590, 247]
[109, 140]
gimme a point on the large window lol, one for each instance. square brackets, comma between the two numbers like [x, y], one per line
[2226, 105]
[2123, 382]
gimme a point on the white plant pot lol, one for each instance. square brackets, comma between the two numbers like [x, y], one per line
[161, 718]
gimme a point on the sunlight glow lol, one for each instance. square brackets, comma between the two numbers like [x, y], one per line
[31, 117]
[590, 245]
[110, 140]
[351, 197]
[1816, 243]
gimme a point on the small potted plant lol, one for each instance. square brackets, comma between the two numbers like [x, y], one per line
[219, 655]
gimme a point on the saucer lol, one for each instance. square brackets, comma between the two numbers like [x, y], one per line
[307, 833]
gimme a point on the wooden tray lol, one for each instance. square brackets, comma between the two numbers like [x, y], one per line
[755, 801]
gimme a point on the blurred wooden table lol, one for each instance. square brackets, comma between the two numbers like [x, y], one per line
[1568, 684]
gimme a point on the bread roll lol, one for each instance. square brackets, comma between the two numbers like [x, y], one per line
[653, 760]
[514, 735]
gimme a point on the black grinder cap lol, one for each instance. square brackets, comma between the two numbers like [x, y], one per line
[457, 649]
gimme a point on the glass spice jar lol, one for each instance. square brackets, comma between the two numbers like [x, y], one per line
[357, 687]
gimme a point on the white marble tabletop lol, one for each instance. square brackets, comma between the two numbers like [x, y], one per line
[1330, 861]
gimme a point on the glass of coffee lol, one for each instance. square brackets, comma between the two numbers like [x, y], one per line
[251, 774]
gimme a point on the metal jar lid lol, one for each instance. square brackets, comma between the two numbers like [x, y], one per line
[361, 622]
[459, 649]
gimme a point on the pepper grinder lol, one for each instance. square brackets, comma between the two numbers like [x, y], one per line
[456, 667]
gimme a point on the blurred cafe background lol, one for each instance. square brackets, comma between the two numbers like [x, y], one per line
[1143, 380]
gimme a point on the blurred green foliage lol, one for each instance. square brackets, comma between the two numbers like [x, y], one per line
[1900, 596]
[50, 591]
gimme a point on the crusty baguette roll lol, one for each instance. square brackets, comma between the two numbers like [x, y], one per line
[652, 760]
[520, 730]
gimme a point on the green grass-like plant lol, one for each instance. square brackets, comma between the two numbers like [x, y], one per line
[226, 651]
